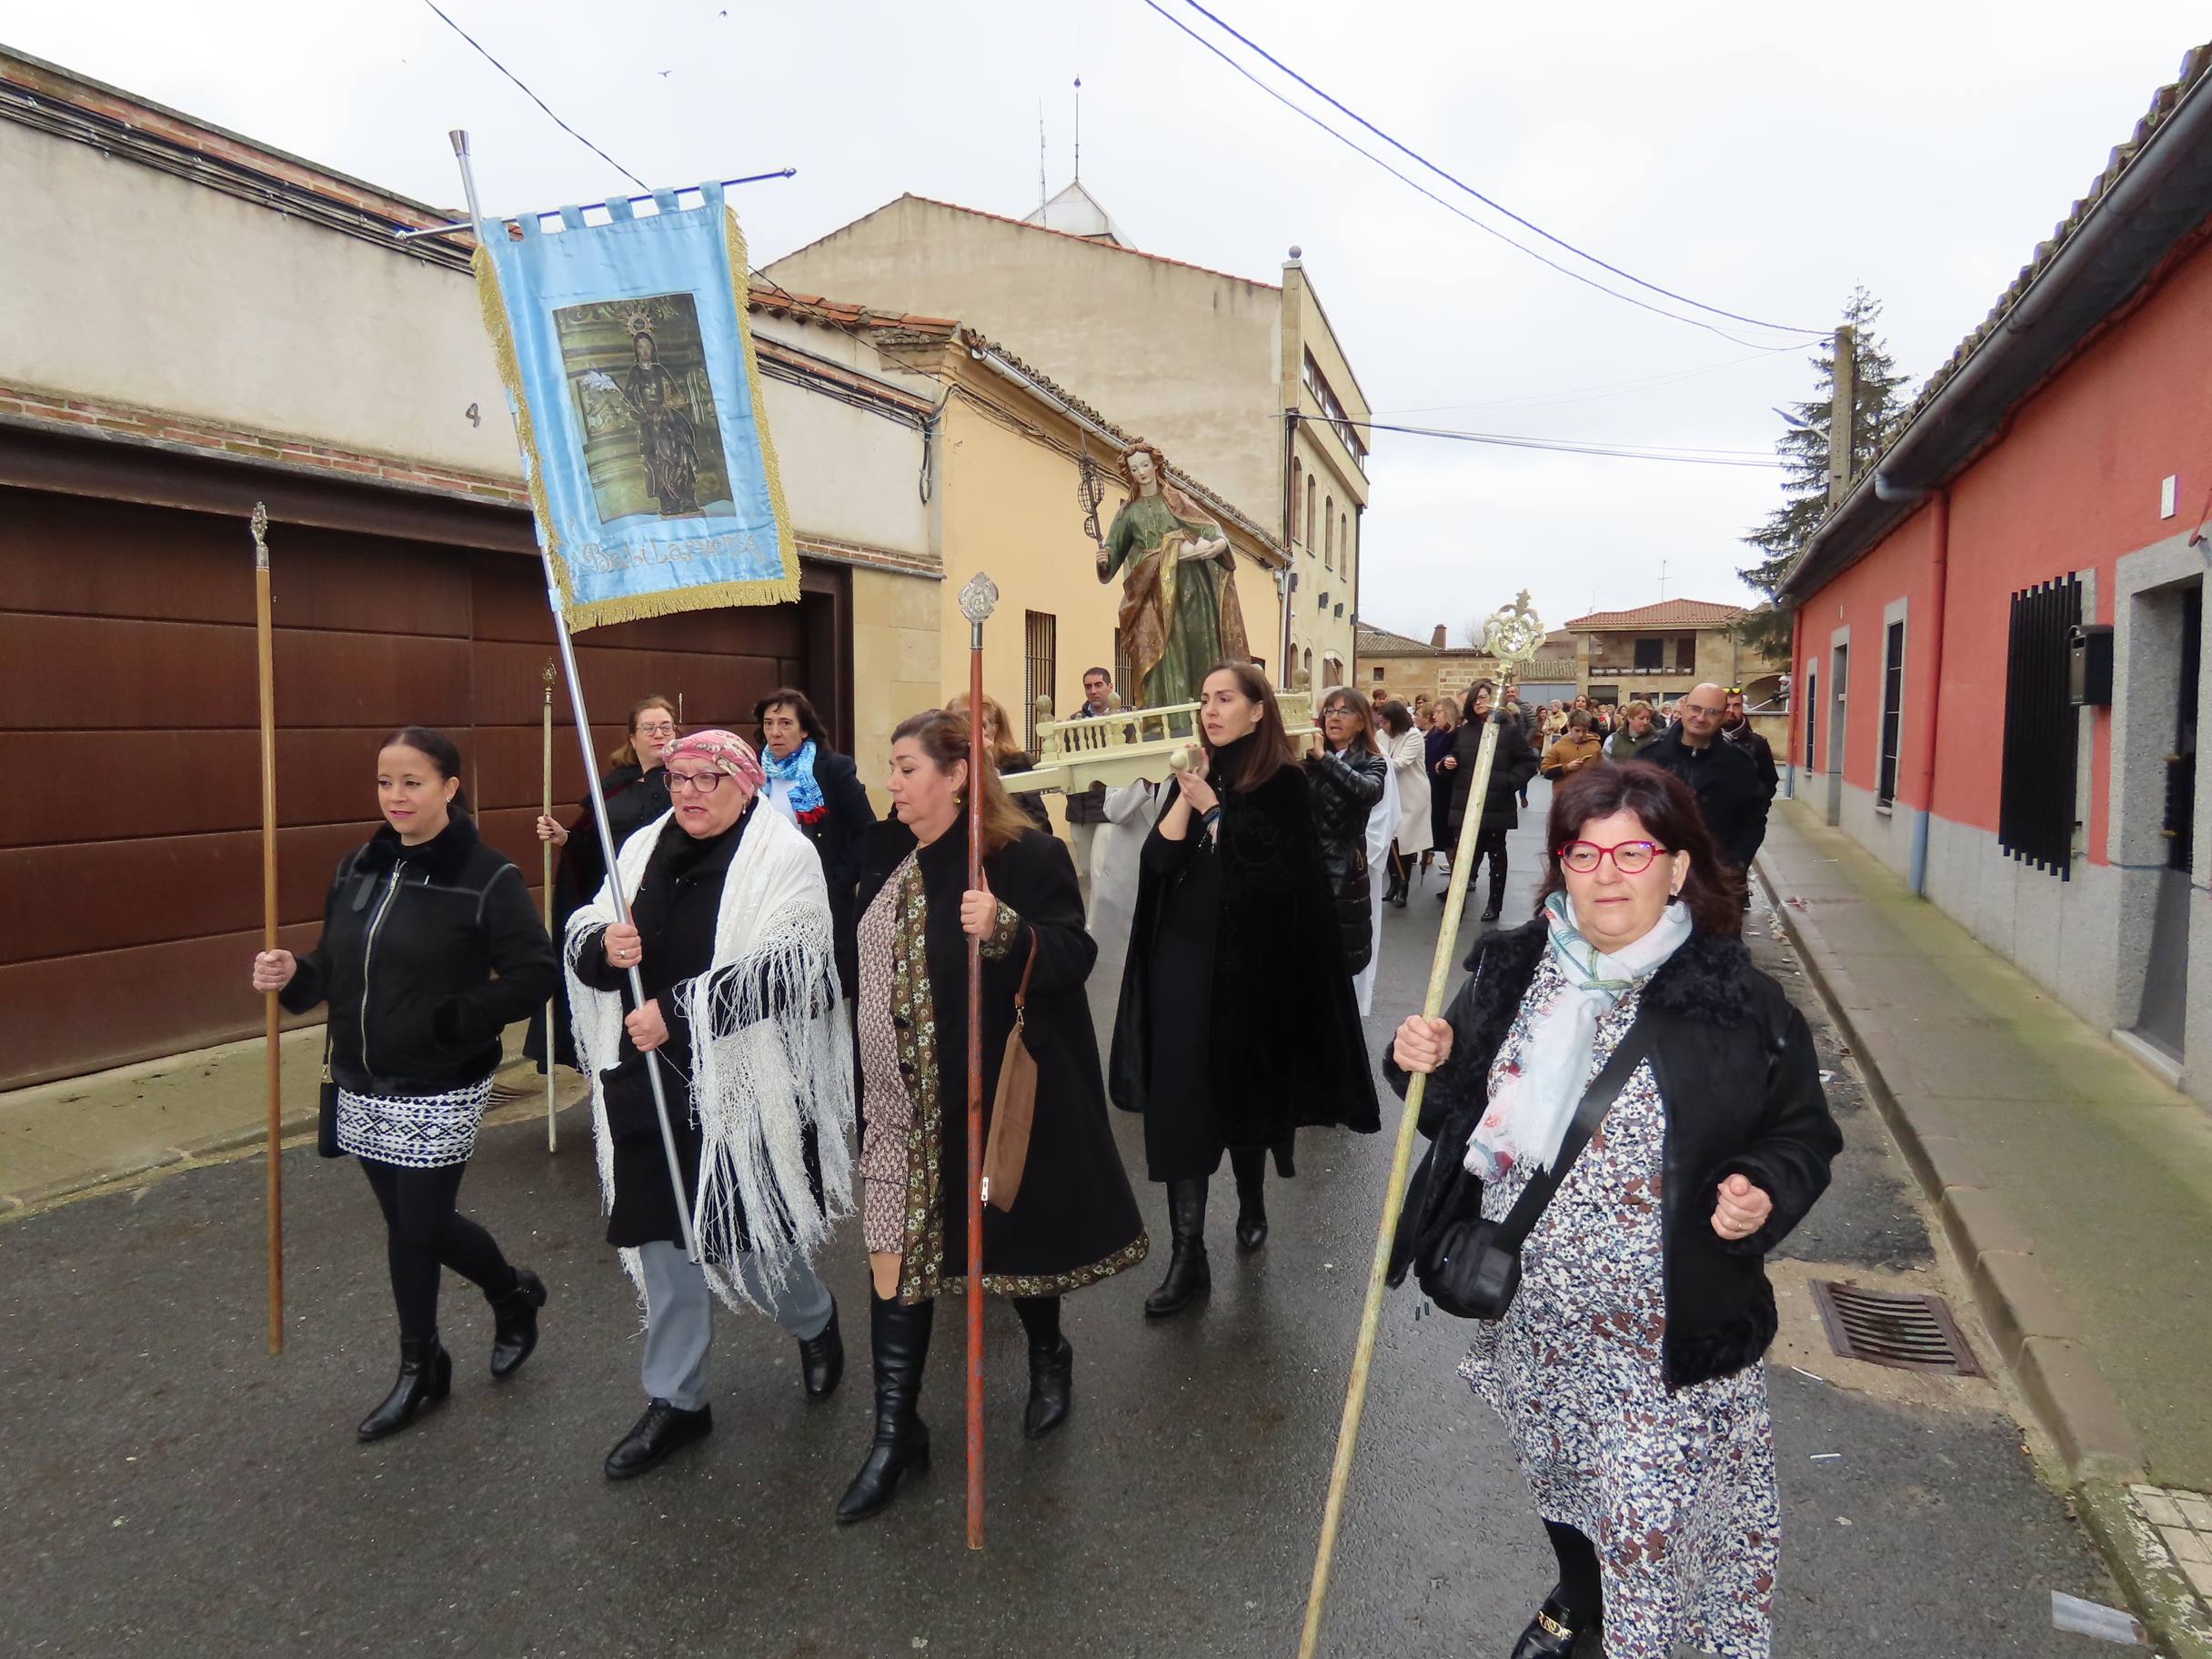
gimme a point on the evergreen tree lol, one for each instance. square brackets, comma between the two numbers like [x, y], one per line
[1878, 411]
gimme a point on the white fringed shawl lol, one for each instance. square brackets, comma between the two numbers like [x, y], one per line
[758, 1086]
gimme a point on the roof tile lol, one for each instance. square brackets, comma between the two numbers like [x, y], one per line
[1666, 613]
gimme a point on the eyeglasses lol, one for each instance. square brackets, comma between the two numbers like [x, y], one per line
[1338, 713]
[1630, 858]
[665, 729]
[705, 783]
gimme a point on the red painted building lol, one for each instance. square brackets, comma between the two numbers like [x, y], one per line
[2047, 499]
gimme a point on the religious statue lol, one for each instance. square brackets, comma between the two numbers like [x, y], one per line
[1179, 614]
[666, 434]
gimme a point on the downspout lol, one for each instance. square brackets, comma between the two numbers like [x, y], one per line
[1928, 722]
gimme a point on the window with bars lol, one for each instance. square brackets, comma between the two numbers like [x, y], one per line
[1041, 633]
[2036, 799]
[1892, 711]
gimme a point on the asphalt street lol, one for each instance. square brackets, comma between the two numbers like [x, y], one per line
[168, 1489]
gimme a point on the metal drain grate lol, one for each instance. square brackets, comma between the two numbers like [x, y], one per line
[1909, 1333]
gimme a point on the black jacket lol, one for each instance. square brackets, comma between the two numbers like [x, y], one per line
[412, 937]
[839, 836]
[1346, 786]
[1735, 1067]
[1726, 780]
[1747, 738]
[1512, 764]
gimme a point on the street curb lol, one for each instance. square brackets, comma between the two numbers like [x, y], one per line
[2178, 1624]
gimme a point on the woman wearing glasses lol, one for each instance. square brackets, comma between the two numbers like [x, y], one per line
[1626, 1366]
[729, 933]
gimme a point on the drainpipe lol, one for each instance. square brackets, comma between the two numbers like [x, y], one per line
[1928, 722]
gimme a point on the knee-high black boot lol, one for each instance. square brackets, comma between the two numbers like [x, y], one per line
[1051, 1366]
[899, 1339]
[1190, 1275]
[1250, 1162]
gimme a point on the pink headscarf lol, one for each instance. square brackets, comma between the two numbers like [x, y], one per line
[731, 755]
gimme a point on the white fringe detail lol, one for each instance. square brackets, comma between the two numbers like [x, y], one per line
[757, 1088]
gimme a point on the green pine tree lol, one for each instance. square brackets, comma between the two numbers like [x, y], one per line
[1878, 410]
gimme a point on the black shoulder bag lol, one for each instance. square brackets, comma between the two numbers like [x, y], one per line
[1472, 1267]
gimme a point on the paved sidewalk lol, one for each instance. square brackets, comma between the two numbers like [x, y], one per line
[2076, 1187]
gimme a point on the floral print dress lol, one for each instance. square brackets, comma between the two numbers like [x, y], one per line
[1676, 1489]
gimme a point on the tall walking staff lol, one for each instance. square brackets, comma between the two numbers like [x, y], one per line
[552, 1130]
[591, 778]
[976, 598]
[1513, 635]
[265, 658]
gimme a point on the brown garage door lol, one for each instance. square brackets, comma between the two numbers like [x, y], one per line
[130, 890]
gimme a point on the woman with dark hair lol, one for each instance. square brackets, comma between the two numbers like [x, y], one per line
[1238, 1025]
[1409, 765]
[819, 790]
[1072, 1219]
[1006, 755]
[1354, 809]
[430, 949]
[1627, 1367]
[1512, 764]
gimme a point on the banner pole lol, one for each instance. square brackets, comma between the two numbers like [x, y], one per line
[272, 1012]
[552, 1128]
[591, 779]
[976, 601]
[1393, 1195]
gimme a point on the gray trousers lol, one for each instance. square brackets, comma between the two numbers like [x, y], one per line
[679, 1315]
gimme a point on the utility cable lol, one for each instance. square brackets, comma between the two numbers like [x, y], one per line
[534, 98]
[1686, 455]
[1495, 206]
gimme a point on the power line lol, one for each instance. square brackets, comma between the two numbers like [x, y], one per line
[1686, 455]
[1583, 394]
[534, 98]
[1453, 207]
[1495, 206]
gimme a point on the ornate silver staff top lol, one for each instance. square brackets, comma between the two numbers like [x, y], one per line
[260, 524]
[1514, 633]
[978, 599]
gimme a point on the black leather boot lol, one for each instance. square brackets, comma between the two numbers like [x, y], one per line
[1497, 899]
[1051, 1366]
[426, 1377]
[1190, 1275]
[898, 1338]
[1549, 1636]
[822, 1359]
[1250, 1162]
[515, 1323]
[662, 1430]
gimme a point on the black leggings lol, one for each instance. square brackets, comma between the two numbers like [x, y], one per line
[423, 1233]
[1489, 843]
[1580, 1591]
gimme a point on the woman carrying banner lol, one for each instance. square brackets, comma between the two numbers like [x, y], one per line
[636, 792]
[729, 931]
[1074, 1220]
[1627, 1364]
[1237, 1023]
[821, 791]
[458, 954]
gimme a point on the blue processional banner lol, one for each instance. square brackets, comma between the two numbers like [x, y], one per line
[628, 362]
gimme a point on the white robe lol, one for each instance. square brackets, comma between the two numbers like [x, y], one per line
[1409, 765]
[1129, 812]
[1382, 821]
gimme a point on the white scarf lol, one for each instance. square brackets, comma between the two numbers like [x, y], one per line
[756, 1090]
[1531, 1109]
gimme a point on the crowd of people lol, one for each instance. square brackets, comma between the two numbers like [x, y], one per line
[766, 992]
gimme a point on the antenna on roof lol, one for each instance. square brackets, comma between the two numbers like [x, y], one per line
[1079, 129]
[1662, 581]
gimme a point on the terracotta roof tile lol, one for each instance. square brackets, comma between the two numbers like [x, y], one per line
[1666, 613]
[836, 314]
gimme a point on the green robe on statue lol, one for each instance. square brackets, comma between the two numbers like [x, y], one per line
[1179, 617]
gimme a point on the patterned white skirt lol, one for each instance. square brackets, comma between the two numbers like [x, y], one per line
[417, 1132]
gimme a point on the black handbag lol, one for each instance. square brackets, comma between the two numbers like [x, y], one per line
[628, 1091]
[1471, 1267]
[326, 1107]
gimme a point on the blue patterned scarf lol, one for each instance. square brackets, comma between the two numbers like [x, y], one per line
[797, 769]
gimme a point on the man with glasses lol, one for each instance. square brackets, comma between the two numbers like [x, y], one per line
[1723, 777]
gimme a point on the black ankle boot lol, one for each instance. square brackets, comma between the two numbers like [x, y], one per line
[1497, 901]
[1549, 1636]
[1051, 1366]
[664, 1428]
[898, 1338]
[515, 1323]
[1190, 1275]
[822, 1359]
[1250, 1166]
[426, 1377]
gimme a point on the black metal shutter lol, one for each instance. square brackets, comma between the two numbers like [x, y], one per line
[2036, 805]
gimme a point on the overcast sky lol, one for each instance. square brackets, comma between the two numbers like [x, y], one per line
[1750, 155]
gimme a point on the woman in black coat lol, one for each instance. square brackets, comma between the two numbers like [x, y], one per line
[821, 791]
[636, 791]
[1348, 772]
[1626, 1366]
[1437, 742]
[430, 949]
[1074, 1220]
[1512, 764]
[1238, 1025]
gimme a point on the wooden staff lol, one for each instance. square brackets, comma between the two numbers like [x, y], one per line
[273, 1014]
[1393, 1195]
[976, 601]
[552, 1130]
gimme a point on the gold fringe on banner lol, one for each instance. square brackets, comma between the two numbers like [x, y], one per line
[779, 590]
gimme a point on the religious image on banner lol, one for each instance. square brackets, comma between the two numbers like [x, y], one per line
[627, 355]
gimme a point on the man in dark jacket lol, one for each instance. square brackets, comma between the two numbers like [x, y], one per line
[1738, 729]
[1723, 777]
[1087, 807]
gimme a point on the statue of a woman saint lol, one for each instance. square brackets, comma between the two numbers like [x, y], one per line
[1179, 614]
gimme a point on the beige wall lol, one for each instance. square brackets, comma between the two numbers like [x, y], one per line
[121, 284]
[1325, 458]
[897, 665]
